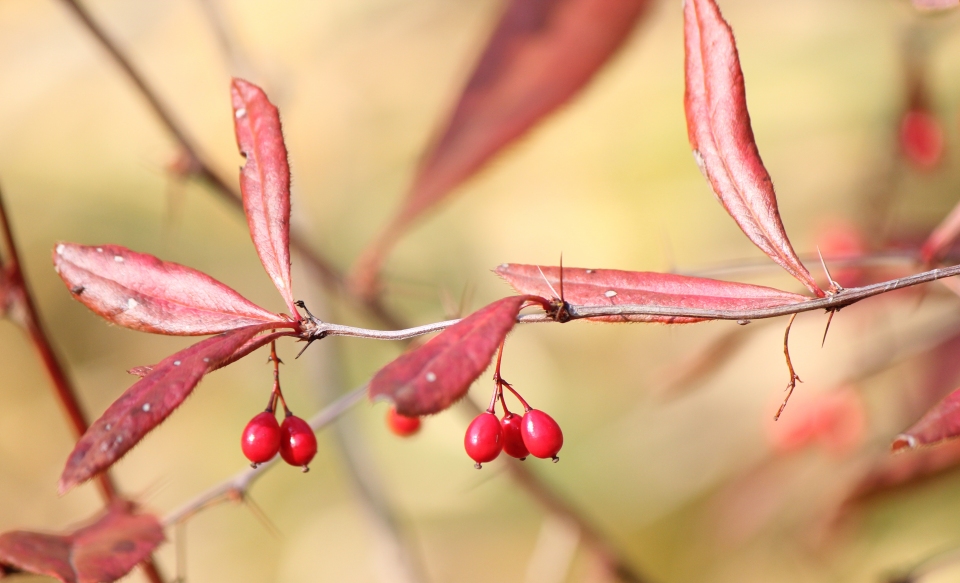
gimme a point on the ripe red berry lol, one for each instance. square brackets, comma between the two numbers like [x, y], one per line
[541, 434]
[298, 444]
[484, 439]
[401, 424]
[512, 439]
[261, 438]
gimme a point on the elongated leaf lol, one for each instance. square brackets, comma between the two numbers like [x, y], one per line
[139, 291]
[541, 54]
[720, 133]
[430, 378]
[105, 550]
[938, 424]
[610, 287]
[911, 467]
[148, 403]
[264, 181]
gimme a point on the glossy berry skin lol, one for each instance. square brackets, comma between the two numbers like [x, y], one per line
[484, 439]
[401, 424]
[541, 434]
[298, 444]
[512, 438]
[261, 438]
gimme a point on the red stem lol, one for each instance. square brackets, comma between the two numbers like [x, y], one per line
[65, 391]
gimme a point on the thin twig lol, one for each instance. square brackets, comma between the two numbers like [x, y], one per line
[794, 378]
[330, 276]
[236, 487]
[832, 303]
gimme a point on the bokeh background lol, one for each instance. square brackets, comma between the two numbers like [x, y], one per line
[684, 473]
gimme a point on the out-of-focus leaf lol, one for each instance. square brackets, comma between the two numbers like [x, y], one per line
[942, 237]
[139, 291]
[148, 403]
[718, 125]
[835, 420]
[431, 377]
[935, 4]
[610, 287]
[938, 424]
[264, 181]
[906, 468]
[921, 139]
[103, 551]
[541, 54]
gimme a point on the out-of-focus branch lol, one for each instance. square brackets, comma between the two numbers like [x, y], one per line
[330, 276]
[28, 317]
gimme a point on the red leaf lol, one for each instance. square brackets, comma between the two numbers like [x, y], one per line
[939, 423]
[718, 126]
[610, 287]
[904, 469]
[921, 139]
[264, 181]
[105, 550]
[430, 378]
[541, 54]
[139, 291]
[148, 403]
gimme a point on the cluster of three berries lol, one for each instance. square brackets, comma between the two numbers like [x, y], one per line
[536, 434]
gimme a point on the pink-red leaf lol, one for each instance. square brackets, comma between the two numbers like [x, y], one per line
[720, 133]
[139, 291]
[148, 403]
[935, 4]
[938, 424]
[264, 181]
[942, 236]
[103, 551]
[541, 54]
[430, 378]
[611, 287]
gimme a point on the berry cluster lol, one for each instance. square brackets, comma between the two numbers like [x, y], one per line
[535, 433]
[263, 437]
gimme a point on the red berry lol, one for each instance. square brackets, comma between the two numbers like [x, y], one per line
[261, 438]
[512, 439]
[541, 434]
[298, 444]
[401, 424]
[483, 440]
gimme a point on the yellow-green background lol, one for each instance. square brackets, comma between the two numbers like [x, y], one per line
[609, 182]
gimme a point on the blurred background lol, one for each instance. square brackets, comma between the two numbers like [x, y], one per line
[670, 448]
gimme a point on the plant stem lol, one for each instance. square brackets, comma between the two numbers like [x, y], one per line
[29, 320]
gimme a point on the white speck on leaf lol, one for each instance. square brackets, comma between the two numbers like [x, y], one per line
[278, 282]
[103, 446]
[118, 259]
[241, 112]
[206, 359]
[431, 377]
[132, 303]
[176, 363]
[99, 249]
[60, 248]
[589, 271]
[108, 426]
[146, 407]
[610, 293]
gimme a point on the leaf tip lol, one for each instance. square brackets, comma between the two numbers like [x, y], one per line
[903, 442]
